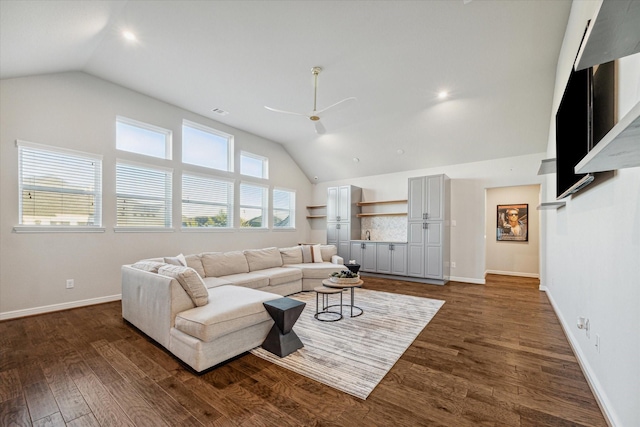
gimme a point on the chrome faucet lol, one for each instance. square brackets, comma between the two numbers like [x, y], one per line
[368, 234]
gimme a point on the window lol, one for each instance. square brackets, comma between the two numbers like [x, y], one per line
[58, 187]
[203, 146]
[142, 138]
[254, 165]
[253, 206]
[284, 209]
[206, 202]
[143, 196]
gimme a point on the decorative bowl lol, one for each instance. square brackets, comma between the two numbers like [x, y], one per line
[344, 279]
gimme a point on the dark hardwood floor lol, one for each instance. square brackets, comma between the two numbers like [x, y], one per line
[494, 355]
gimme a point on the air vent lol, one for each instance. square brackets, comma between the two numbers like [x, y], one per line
[220, 112]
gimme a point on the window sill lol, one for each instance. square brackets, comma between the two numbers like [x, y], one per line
[250, 229]
[207, 230]
[142, 230]
[283, 229]
[57, 229]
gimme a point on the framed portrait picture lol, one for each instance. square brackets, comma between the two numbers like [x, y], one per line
[512, 223]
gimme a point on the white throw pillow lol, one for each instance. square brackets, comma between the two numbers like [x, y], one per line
[316, 253]
[151, 266]
[182, 260]
[176, 260]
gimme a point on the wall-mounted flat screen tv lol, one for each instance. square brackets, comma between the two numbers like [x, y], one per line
[585, 115]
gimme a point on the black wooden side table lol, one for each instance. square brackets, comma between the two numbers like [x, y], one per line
[354, 268]
[281, 339]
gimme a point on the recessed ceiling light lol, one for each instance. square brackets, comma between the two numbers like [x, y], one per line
[129, 36]
[443, 94]
[220, 111]
[400, 151]
[356, 160]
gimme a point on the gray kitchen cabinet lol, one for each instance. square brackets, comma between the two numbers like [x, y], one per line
[343, 225]
[426, 198]
[428, 227]
[391, 258]
[339, 234]
[365, 254]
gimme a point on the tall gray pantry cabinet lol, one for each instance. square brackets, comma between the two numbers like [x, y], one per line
[343, 225]
[428, 227]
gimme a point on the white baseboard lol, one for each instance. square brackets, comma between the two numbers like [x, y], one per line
[468, 280]
[512, 273]
[57, 307]
[601, 398]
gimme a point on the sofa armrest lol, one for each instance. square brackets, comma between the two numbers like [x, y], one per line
[151, 302]
[335, 259]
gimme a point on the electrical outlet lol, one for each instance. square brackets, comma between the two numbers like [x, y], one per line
[70, 284]
[453, 264]
[453, 223]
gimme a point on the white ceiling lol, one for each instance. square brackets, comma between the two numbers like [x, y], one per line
[497, 59]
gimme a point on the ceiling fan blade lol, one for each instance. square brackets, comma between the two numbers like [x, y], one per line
[320, 129]
[285, 112]
[336, 104]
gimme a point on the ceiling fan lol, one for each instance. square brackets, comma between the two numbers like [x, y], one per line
[315, 115]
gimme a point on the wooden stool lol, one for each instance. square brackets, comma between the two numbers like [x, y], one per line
[325, 292]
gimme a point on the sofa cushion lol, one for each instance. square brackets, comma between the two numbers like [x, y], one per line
[317, 270]
[232, 308]
[292, 255]
[176, 260]
[248, 280]
[151, 266]
[259, 259]
[195, 262]
[213, 282]
[190, 281]
[327, 252]
[280, 275]
[218, 264]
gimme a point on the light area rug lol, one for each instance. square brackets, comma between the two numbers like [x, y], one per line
[354, 354]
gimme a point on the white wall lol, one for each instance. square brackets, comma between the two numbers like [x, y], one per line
[468, 184]
[78, 111]
[508, 257]
[591, 255]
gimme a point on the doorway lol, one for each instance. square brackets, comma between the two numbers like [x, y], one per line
[506, 255]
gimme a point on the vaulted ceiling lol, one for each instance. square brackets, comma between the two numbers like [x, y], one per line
[496, 59]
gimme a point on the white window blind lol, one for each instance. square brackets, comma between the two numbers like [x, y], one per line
[253, 206]
[143, 138]
[59, 187]
[203, 146]
[254, 165]
[284, 208]
[143, 196]
[206, 202]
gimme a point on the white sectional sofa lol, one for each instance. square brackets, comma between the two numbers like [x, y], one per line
[209, 317]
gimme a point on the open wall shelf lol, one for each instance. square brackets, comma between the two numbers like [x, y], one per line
[612, 34]
[618, 149]
[362, 215]
[382, 202]
[551, 205]
[313, 216]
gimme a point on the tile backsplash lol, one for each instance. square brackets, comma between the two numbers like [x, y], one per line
[385, 228]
